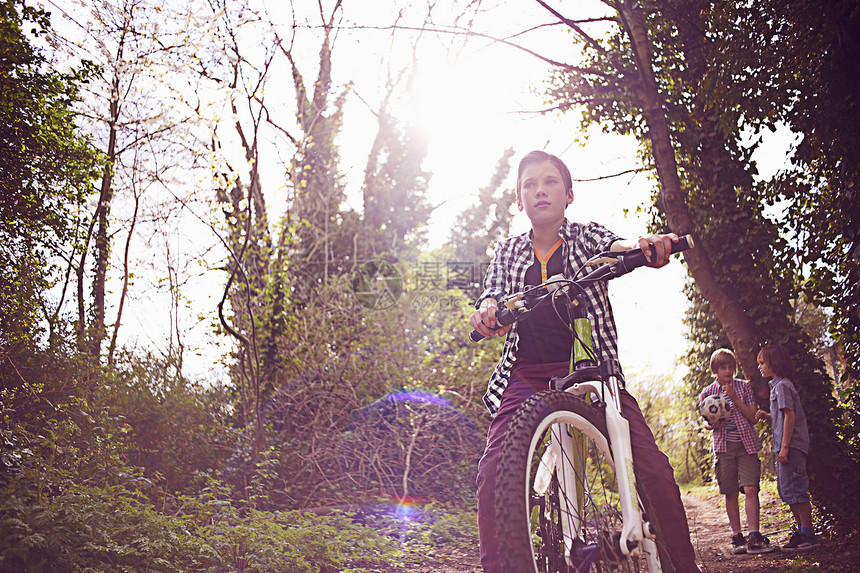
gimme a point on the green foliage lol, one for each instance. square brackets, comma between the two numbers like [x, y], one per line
[796, 67]
[705, 335]
[45, 168]
[71, 501]
[427, 533]
[450, 526]
[481, 226]
[115, 528]
[672, 414]
[384, 388]
[174, 429]
[283, 541]
[95, 529]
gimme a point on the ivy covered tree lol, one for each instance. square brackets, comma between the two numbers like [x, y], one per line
[396, 205]
[293, 248]
[800, 59]
[317, 185]
[45, 169]
[798, 70]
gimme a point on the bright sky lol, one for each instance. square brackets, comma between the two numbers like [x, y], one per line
[471, 105]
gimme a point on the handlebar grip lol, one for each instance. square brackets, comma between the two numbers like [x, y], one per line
[504, 317]
[634, 258]
[684, 243]
[475, 336]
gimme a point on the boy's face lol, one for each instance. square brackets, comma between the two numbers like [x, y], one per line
[542, 194]
[725, 373]
[764, 368]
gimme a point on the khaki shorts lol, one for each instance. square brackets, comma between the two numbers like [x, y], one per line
[736, 469]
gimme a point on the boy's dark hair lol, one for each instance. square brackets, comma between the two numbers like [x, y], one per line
[536, 157]
[777, 357]
[721, 357]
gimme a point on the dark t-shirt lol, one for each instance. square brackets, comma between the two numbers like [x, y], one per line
[543, 336]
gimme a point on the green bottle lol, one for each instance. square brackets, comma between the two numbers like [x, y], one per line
[581, 328]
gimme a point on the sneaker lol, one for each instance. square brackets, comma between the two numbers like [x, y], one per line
[739, 544]
[800, 541]
[758, 543]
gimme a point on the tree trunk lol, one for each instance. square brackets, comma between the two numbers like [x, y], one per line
[672, 202]
[125, 280]
[102, 242]
[102, 246]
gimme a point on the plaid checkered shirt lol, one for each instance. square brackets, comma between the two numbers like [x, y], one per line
[749, 435]
[506, 274]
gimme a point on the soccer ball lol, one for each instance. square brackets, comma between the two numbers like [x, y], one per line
[715, 408]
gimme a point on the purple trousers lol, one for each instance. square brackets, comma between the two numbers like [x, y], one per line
[652, 467]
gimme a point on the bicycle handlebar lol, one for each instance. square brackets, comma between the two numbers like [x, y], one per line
[625, 261]
[504, 317]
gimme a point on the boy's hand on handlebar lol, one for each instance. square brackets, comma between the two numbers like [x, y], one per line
[483, 320]
[658, 248]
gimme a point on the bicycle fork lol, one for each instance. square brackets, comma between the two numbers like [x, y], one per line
[636, 536]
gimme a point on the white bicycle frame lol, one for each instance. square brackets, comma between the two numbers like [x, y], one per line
[635, 531]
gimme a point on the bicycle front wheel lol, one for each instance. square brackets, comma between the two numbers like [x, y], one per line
[556, 490]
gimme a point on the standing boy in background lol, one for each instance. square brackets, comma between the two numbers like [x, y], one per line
[790, 441]
[736, 446]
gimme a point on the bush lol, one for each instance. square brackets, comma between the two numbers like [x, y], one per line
[116, 529]
[71, 501]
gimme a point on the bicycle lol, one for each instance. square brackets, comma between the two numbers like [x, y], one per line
[567, 498]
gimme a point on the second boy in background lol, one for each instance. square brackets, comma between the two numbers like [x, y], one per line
[736, 446]
[790, 442]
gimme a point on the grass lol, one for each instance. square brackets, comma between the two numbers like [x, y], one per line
[775, 516]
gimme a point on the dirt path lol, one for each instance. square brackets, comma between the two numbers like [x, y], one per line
[709, 532]
[708, 529]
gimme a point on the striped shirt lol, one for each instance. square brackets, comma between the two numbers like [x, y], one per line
[506, 274]
[748, 433]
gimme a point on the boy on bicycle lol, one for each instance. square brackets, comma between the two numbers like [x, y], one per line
[736, 446]
[540, 346]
